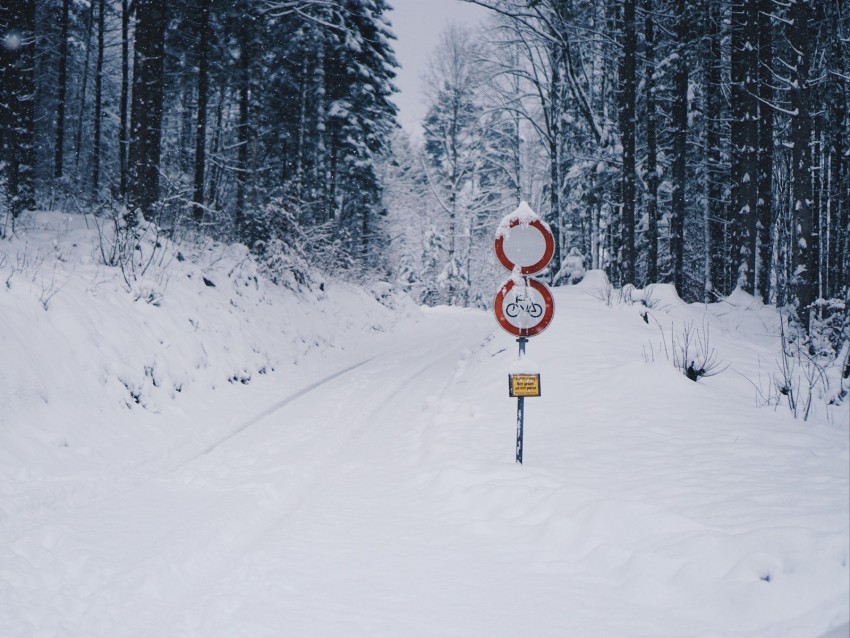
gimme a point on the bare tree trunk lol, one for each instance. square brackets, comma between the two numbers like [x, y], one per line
[453, 181]
[555, 157]
[818, 208]
[98, 100]
[716, 244]
[216, 169]
[765, 150]
[58, 154]
[839, 191]
[302, 127]
[744, 140]
[365, 230]
[652, 177]
[806, 276]
[516, 145]
[201, 118]
[336, 209]
[627, 129]
[319, 177]
[17, 107]
[242, 159]
[680, 137]
[79, 136]
[124, 133]
[146, 115]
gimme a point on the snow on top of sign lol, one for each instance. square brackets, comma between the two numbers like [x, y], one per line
[523, 365]
[523, 214]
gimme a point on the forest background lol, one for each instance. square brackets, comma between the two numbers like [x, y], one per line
[703, 143]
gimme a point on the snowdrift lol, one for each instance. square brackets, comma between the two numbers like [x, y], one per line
[104, 369]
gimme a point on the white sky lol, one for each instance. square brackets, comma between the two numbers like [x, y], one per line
[417, 24]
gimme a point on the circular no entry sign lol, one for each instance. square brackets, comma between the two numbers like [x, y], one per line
[524, 309]
[528, 245]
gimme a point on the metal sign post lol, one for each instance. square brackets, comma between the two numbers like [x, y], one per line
[524, 306]
[520, 408]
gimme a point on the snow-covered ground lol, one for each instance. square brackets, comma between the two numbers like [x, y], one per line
[241, 460]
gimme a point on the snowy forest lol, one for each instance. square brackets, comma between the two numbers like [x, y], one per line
[701, 143]
[253, 379]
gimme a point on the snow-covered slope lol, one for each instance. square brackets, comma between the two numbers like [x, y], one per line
[367, 486]
[101, 372]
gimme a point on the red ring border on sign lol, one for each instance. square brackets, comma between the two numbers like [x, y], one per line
[545, 319]
[535, 267]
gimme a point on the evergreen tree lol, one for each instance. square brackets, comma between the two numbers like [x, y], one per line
[359, 73]
[17, 103]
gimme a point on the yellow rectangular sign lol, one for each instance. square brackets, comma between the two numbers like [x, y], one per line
[524, 385]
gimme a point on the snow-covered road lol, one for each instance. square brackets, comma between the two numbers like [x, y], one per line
[371, 491]
[268, 525]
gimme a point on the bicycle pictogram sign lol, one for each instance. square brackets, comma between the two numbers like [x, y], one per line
[521, 304]
[524, 309]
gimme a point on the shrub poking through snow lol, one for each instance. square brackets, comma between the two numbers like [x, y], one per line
[693, 353]
[690, 351]
[136, 247]
[804, 374]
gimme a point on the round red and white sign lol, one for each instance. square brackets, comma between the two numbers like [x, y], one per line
[524, 309]
[529, 245]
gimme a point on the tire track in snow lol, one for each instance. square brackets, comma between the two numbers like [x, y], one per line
[239, 560]
[277, 406]
[356, 436]
[144, 474]
[203, 539]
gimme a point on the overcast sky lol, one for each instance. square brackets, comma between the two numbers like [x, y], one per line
[417, 25]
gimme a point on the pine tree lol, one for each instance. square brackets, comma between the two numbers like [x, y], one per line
[17, 103]
[360, 69]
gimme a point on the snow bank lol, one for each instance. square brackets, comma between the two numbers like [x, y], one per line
[98, 366]
[593, 280]
[648, 505]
